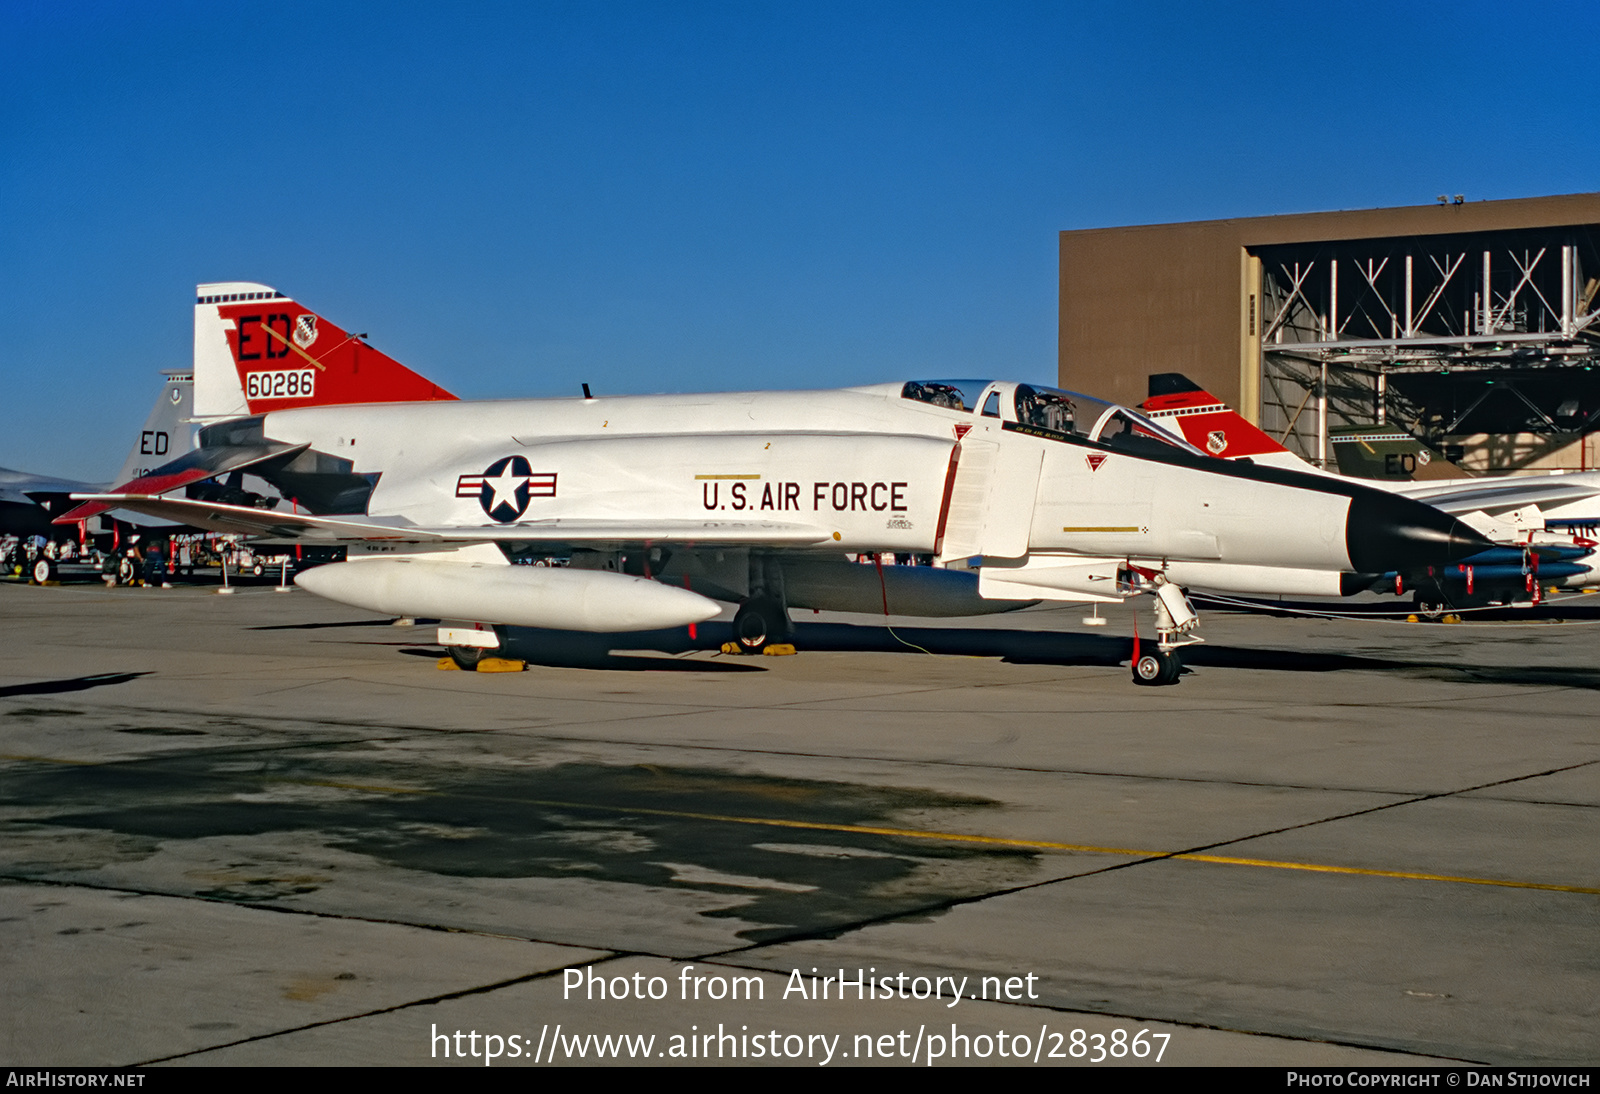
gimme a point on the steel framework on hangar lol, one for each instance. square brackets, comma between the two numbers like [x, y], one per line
[1474, 325]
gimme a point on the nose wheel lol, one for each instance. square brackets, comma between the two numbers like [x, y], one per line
[1156, 668]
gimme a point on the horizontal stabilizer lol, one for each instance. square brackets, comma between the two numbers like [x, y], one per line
[196, 466]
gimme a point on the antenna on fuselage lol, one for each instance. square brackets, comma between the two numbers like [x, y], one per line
[586, 394]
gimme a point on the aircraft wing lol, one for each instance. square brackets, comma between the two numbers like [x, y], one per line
[1502, 496]
[244, 520]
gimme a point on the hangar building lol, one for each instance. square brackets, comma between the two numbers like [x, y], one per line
[1473, 325]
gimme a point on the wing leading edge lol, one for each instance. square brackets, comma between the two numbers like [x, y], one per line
[243, 520]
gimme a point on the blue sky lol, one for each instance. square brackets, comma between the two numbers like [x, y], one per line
[517, 198]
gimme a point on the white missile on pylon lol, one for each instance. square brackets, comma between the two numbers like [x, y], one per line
[519, 596]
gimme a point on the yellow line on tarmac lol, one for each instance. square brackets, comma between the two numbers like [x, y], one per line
[1405, 874]
[1050, 845]
[948, 837]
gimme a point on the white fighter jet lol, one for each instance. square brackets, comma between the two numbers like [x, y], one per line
[667, 506]
[1545, 527]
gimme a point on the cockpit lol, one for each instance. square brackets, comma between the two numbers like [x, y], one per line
[950, 394]
[1049, 412]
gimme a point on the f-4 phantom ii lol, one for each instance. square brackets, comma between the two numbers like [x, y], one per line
[669, 506]
[1545, 528]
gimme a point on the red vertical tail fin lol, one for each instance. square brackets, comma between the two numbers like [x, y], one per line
[256, 350]
[1211, 425]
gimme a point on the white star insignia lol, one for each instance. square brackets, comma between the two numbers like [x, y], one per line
[505, 488]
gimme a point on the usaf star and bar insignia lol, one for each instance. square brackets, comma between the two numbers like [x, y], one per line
[505, 488]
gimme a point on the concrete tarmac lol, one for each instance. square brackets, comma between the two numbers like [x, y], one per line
[267, 829]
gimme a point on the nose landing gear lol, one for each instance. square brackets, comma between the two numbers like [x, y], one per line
[1175, 621]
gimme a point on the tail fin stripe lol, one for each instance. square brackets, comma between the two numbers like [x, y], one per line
[300, 351]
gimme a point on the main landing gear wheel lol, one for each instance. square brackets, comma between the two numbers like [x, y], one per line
[126, 571]
[44, 570]
[1155, 668]
[758, 622]
[466, 657]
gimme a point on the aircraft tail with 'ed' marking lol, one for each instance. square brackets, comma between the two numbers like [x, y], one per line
[169, 430]
[256, 350]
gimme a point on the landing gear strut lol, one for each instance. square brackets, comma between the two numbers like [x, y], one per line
[1175, 619]
[763, 619]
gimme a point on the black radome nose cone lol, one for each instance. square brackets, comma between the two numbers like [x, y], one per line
[1386, 532]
